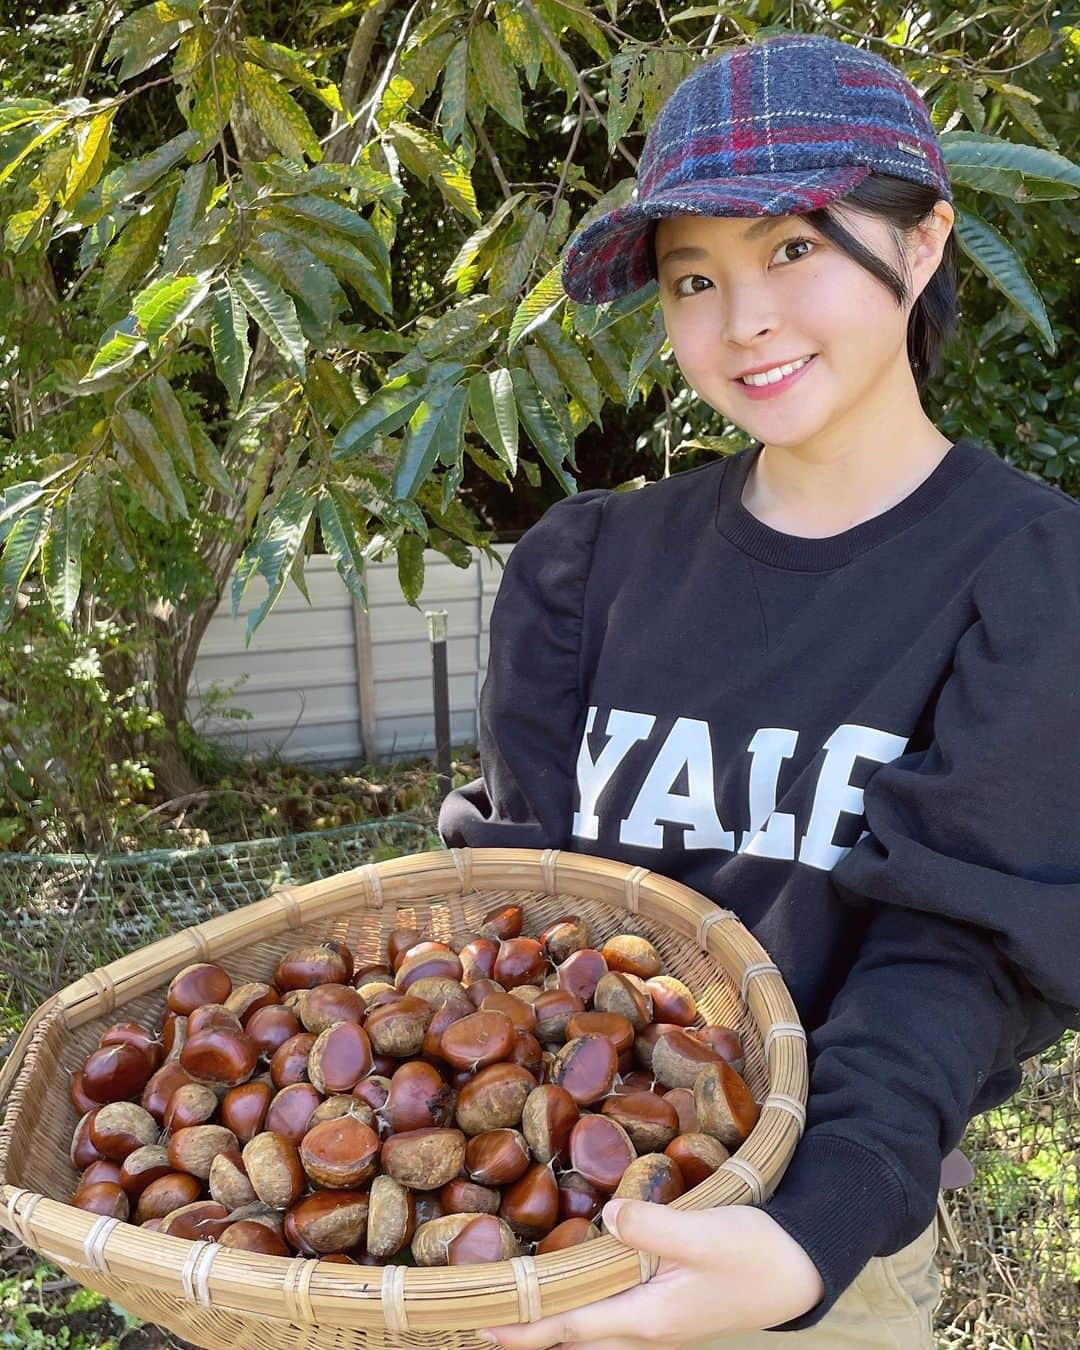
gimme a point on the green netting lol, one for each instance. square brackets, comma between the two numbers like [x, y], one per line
[1015, 1285]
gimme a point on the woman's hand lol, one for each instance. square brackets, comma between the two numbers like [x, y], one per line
[721, 1271]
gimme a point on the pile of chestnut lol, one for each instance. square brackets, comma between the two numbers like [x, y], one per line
[455, 1104]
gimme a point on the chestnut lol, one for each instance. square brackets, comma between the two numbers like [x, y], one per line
[244, 1108]
[633, 955]
[290, 1111]
[424, 1159]
[190, 1104]
[520, 960]
[274, 1168]
[247, 1236]
[102, 1197]
[289, 1062]
[581, 972]
[326, 1004]
[130, 1033]
[341, 1153]
[549, 1114]
[168, 1193]
[328, 1221]
[141, 1167]
[195, 1148]
[270, 1027]
[497, 1157]
[494, 1097]
[119, 1128]
[339, 1057]
[247, 999]
[601, 1150]
[115, 1071]
[504, 921]
[586, 1068]
[306, 967]
[203, 982]
[418, 1098]
[530, 1205]
[204, 1220]
[479, 1039]
[163, 1083]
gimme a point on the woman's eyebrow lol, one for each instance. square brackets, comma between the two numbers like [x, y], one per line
[692, 253]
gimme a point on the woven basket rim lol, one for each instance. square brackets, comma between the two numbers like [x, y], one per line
[404, 1299]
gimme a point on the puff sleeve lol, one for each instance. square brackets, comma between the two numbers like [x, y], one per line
[971, 961]
[531, 712]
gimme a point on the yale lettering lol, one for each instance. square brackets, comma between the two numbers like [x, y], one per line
[688, 747]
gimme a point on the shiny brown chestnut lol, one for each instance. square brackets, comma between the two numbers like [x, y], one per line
[340, 1154]
[168, 1193]
[161, 1086]
[340, 1056]
[497, 1157]
[244, 1108]
[632, 955]
[502, 922]
[586, 1068]
[520, 960]
[212, 1015]
[328, 1221]
[190, 1104]
[306, 967]
[113, 1072]
[202, 982]
[289, 1062]
[271, 1027]
[326, 1004]
[142, 1166]
[581, 972]
[220, 1055]
[522, 1014]
[530, 1205]
[274, 1168]
[601, 1150]
[419, 1098]
[102, 1197]
[495, 1097]
[290, 1110]
[119, 1128]
[130, 1033]
[484, 1037]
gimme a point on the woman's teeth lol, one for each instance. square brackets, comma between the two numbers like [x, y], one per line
[775, 375]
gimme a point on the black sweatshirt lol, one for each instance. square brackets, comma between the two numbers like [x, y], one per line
[866, 745]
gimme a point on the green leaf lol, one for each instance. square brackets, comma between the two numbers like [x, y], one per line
[138, 436]
[272, 310]
[995, 257]
[454, 104]
[421, 444]
[384, 412]
[428, 159]
[142, 39]
[624, 94]
[281, 118]
[966, 148]
[290, 63]
[91, 154]
[170, 421]
[61, 561]
[21, 547]
[120, 345]
[295, 268]
[132, 256]
[18, 112]
[14, 501]
[495, 75]
[208, 466]
[272, 553]
[651, 344]
[540, 304]
[24, 147]
[165, 304]
[192, 198]
[491, 404]
[543, 427]
[337, 219]
[352, 266]
[339, 535]
[229, 341]
[467, 253]
[330, 393]
[130, 179]
[518, 252]
[410, 560]
[569, 360]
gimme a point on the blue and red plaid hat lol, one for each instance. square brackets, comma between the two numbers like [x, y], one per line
[777, 127]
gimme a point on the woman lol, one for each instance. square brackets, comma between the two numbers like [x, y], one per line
[830, 682]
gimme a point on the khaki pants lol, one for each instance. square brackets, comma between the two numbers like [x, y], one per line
[889, 1306]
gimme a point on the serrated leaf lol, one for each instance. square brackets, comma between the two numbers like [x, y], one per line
[410, 560]
[14, 501]
[428, 159]
[91, 154]
[339, 535]
[229, 341]
[130, 179]
[172, 425]
[142, 39]
[351, 264]
[493, 409]
[272, 310]
[964, 148]
[999, 262]
[61, 562]
[120, 345]
[384, 412]
[165, 304]
[21, 548]
[648, 348]
[542, 427]
[209, 468]
[338, 219]
[540, 304]
[330, 393]
[192, 197]
[420, 446]
[132, 256]
[624, 94]
[137, 434]
[21, 147]
[475, 242]
[282, 120]
[453, 106]
[290, 63]
[493, 70]
[569, 360]
[312, 284]
[272, 553]
[518, 252]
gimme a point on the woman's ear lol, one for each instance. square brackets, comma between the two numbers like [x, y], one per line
[929, 237]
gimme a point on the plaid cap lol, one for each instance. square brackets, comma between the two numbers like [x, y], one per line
[776, 127]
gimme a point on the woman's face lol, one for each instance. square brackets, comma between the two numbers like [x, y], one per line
[765, 291]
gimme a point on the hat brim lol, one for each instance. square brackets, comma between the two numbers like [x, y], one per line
[611, 258]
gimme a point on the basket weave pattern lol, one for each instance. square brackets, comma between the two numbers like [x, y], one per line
[217, 1297]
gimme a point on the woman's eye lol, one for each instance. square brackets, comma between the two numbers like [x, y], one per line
[788, 244]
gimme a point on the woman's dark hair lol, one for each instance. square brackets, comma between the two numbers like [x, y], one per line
[902, 205]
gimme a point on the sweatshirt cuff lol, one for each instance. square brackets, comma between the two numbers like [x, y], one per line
[842, 1204]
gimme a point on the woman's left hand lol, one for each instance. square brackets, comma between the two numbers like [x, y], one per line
[721, 1271]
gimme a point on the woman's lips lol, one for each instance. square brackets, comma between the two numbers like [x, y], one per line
[759, 391]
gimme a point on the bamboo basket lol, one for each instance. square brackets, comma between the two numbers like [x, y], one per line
[217, 1297]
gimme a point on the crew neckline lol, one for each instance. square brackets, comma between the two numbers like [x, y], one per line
[800, 553]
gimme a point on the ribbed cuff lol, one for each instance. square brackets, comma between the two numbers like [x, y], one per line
[842, 1204]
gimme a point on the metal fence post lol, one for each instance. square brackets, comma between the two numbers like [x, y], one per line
[437, 627]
